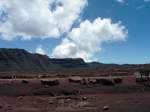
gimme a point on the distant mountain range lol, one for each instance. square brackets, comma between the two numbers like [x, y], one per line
[21, 60]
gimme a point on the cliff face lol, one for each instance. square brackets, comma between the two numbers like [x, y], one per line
[68, 62]
[19, 59]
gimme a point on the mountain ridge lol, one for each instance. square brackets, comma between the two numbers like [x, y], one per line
[17, 59]
[20, 59]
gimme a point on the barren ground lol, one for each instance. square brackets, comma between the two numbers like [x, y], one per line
[34, 97]
[130, 102]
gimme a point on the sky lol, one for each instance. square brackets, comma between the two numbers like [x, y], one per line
[108, 31]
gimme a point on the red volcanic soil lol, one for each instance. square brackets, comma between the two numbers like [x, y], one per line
[29, 95]
[133, 102]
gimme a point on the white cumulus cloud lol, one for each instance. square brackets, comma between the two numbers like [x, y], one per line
[146, 0]
[38, 18]
[40, 50]
[121, 1]
[27, 19]
[86, 40]
[124, 1]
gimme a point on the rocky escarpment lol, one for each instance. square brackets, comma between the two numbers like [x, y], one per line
[20, 59]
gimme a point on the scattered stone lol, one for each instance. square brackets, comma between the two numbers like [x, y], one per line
[105, 108]
[82, 104]
[51, 101]
[20, 97]
[68, 99]
[84, 98]
[24, 81]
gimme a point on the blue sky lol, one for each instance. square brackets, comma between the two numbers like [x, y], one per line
[134, 16]
[137, 21]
